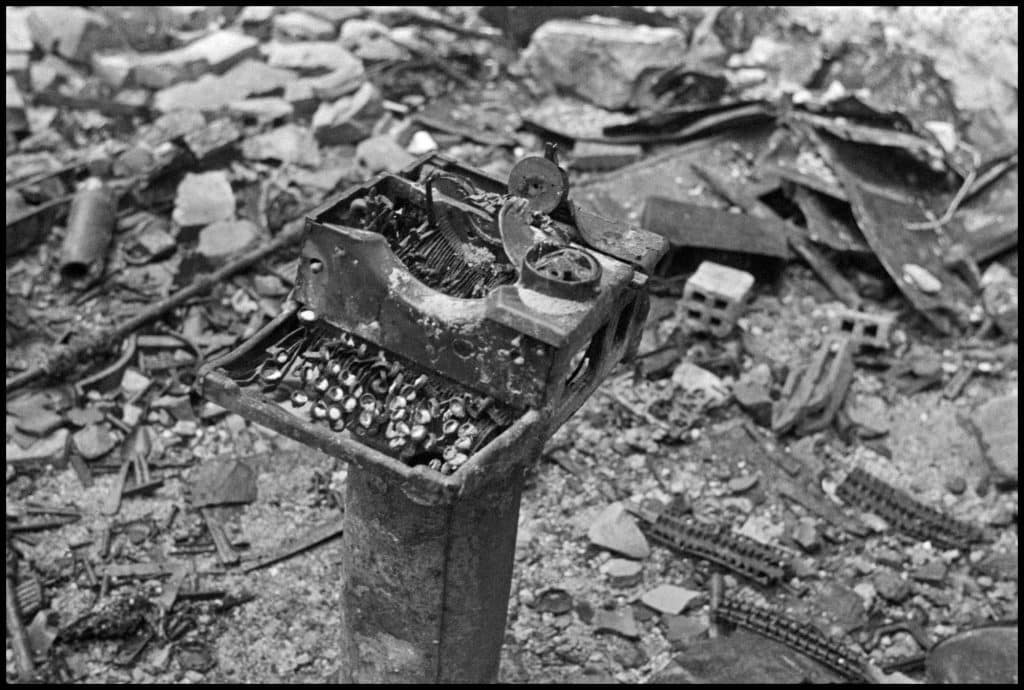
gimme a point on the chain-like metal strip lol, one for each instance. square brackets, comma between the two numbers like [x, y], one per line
[801, 637]
[904, 513]
[759, 562]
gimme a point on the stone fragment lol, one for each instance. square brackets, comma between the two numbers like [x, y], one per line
[185, 428]
[891, 586]
[838, 606]
[14, 107]
[762, 528]
[41, 423]
[1000, 566]
[41, 634]
[80, 416]
[227, 238]
[203, 198]
[601, 62]
[622, 572]
[866, 591]
[755, 398]
[93, 441]
[421, 143]
[999, 297]
[684, 630]
[738, 485]
[382, 153]
[209, 93]
[616, 530]
[133, 382]
[348, 120]
[172, 125]
[343, 80]
[691, 378]
[223, 480]
[933, 572]
[869, 412]
[874, 522]
[113, 68]
[72, 32]
[889, 557]
[670, 599]
[257, 78]
[921, 279]
[335, 14]
[370, 40]
[620, 621]
[212, 139]
[806, 535]
[212, 54]
[995, 424]
[262, 109]
[308, 56]
[16, 29]
[17, 67]
[288, 144]
[43, 451]
[300, 26]
[956, 485]
[256, 14]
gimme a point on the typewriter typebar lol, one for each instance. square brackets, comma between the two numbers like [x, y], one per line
[436, 309]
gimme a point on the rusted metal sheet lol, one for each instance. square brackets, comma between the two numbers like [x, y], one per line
[887, 191]
[425, 588]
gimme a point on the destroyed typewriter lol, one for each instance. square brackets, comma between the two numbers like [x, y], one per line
[437, 308]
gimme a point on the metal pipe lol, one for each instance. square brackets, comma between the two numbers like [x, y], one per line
[90, 227]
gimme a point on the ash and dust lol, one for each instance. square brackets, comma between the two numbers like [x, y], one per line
[857, 167]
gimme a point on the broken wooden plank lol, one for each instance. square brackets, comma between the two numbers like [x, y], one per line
[113, 502]
[225, 552]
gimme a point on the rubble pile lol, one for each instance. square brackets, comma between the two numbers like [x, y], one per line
[808, 472]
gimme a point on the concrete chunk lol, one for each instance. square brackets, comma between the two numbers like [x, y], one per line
[348, 120]
[669, 598]
[300, 26]
[601, 62]
[616, 530]
[288, 144]
[71, 32]
[308, 56]
[996, 424]
[212, 54]
[225, 239]
[203, 198]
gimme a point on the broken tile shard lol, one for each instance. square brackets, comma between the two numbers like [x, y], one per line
[670, 598]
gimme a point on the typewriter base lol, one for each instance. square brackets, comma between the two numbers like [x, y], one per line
[426, 587]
